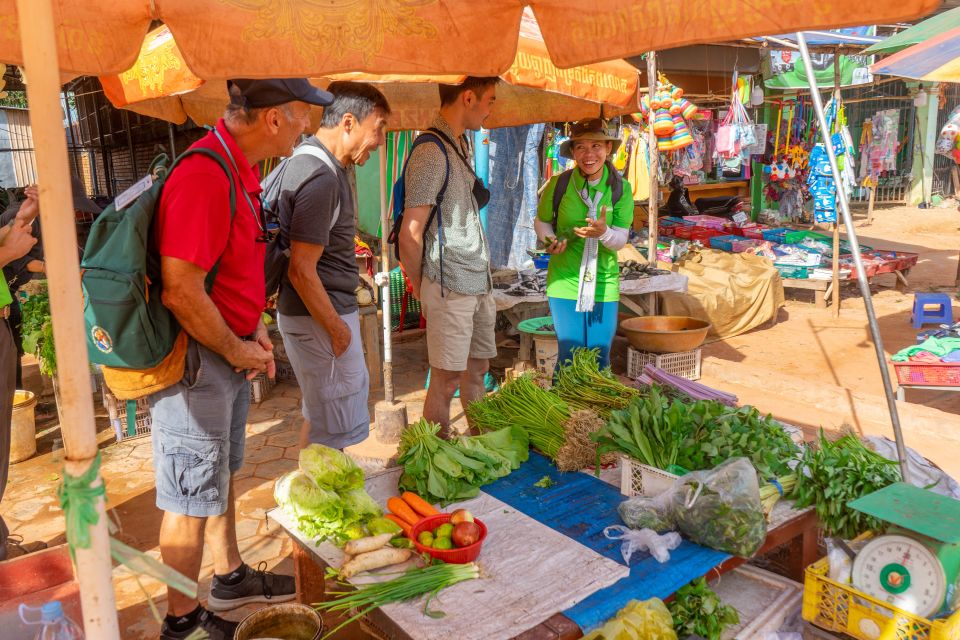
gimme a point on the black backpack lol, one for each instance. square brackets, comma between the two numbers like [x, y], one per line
[614, 181]
[277, 258]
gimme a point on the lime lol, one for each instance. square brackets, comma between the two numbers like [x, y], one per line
[443, 531]
[425, 538]
[442, 543]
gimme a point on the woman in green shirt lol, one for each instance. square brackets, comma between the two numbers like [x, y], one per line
[583, 234]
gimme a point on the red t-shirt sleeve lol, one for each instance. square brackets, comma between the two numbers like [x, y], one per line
[193, 221]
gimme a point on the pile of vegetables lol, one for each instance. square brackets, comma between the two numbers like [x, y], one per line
[523, 403]
[448, 471]
[372, 552]
[696, 435]
[697, 610]
[37, 330]
[326, 496]
[647, 620]
[409, 585]
[461, 531]
[835, 473]
[582, 385]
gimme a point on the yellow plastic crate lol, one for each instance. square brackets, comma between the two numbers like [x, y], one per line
[837, 607]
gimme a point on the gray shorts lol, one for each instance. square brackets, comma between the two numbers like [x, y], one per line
[335, 390]
[199, 426]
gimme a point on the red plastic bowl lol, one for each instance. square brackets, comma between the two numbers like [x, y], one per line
[462, 555]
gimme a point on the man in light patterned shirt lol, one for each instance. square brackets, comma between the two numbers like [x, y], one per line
[448, 260]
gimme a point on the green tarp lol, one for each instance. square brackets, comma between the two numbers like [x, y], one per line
[918, 33]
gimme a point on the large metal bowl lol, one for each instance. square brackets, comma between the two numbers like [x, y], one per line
[665, 334]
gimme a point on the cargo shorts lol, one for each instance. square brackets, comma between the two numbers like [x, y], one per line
[199, 429]
[459, 327]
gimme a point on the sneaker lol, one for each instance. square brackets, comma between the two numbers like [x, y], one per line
[257, 586]
[215, 627]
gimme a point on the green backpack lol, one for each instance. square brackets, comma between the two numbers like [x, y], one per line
[128, 327]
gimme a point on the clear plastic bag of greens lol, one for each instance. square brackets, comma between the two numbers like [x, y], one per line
[643, 512]
[720, 508]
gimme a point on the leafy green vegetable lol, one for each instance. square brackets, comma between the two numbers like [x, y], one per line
[696, 435]
[582, 385]
[331, 468]
[697, 610]
[524, 404]
[319, 511]
[834, 473]
[37, 330]
[380, 525]
[358, 504]
[447, 471]
[544, 483]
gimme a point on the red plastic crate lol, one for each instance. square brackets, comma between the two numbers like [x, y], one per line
[683, 233]
[929, 373]
[704, 235]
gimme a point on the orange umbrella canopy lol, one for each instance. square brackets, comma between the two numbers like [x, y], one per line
[159, 84]
[283, 38]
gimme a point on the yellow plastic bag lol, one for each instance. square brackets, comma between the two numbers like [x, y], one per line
[647, 620]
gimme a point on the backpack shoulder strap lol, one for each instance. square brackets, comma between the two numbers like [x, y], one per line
[434, 136]
[212, 275]
[615, 181]
[324, 157]
[559, 190]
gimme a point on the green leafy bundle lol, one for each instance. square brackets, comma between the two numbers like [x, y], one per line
[326, 495]
[522, 403]
[696, 435]
[447, 471]
[582, 384]
[697, 610]
[37, 330]
[835, 473]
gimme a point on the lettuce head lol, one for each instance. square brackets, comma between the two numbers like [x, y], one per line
[330, 468]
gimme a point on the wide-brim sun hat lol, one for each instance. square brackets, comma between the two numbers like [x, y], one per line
[591, 129]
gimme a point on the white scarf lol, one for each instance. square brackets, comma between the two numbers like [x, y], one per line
[587, 290]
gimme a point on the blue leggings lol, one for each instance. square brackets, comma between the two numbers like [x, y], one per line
[593, 330]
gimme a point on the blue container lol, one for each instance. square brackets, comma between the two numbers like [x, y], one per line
[542, 261]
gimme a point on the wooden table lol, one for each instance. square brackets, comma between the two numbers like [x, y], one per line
[739, 188]
[788, 527]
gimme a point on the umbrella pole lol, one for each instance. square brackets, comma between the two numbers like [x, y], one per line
[836, 223]
[654, 154]
[93, 565]
[390, 416]
[858, 260]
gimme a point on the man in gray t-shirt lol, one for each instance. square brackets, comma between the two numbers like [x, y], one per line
[317, 307]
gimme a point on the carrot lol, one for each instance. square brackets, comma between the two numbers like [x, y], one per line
[407, 529]
[402, 510]
[418, 504]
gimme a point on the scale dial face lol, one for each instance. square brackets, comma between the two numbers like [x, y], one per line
[902, 572]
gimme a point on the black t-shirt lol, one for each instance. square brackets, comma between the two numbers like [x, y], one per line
[309, 196]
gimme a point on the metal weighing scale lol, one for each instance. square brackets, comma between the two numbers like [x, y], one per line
[915, 566]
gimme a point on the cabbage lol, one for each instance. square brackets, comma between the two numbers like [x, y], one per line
[318, 511]
[331, 468]
[378, 526]
[358, 505]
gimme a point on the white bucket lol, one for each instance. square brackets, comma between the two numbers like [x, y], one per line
[23, 432]
[546, 349]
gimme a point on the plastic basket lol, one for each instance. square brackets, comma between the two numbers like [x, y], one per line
[753, 233]
[285, 371]
[793, 271]
[404, 308]
[929, 373]
[685, 364]
[775, 235]
[704, 235]
[462, 555]
[117, 411]
[638, 479]
[724, 243]
[841, 608]
[710, 222]
[260, 387]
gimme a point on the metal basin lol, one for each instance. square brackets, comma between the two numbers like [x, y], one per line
[665, 334]
[288, 621]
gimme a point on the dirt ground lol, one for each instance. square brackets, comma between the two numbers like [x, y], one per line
[811, 369]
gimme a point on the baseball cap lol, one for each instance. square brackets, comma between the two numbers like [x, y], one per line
[258, 94]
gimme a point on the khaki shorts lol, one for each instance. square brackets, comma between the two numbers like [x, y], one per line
[458, 326]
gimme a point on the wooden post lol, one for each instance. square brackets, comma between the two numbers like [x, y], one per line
[836, 225]
[39, 42]
[653, 222]
[873, 195]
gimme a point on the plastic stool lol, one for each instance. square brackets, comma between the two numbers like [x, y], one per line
[941, 314]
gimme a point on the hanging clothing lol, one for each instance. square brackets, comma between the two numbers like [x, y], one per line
[638, 167]
[514, 178]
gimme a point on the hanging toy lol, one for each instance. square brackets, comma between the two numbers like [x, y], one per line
[667, 111]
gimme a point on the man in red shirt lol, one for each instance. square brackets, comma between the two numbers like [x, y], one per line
[199, 423]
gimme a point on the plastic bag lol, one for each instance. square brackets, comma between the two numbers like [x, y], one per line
[841, 566]
[635, 541]
[643, 512]
[647, 620]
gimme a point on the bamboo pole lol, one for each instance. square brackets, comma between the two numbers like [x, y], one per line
[385, 290]
[836, 224]
[652, 222]
[39, 42]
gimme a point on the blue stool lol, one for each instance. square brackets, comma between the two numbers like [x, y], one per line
[941, 313]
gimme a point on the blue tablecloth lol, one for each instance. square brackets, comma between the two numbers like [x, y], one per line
[580, 506]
